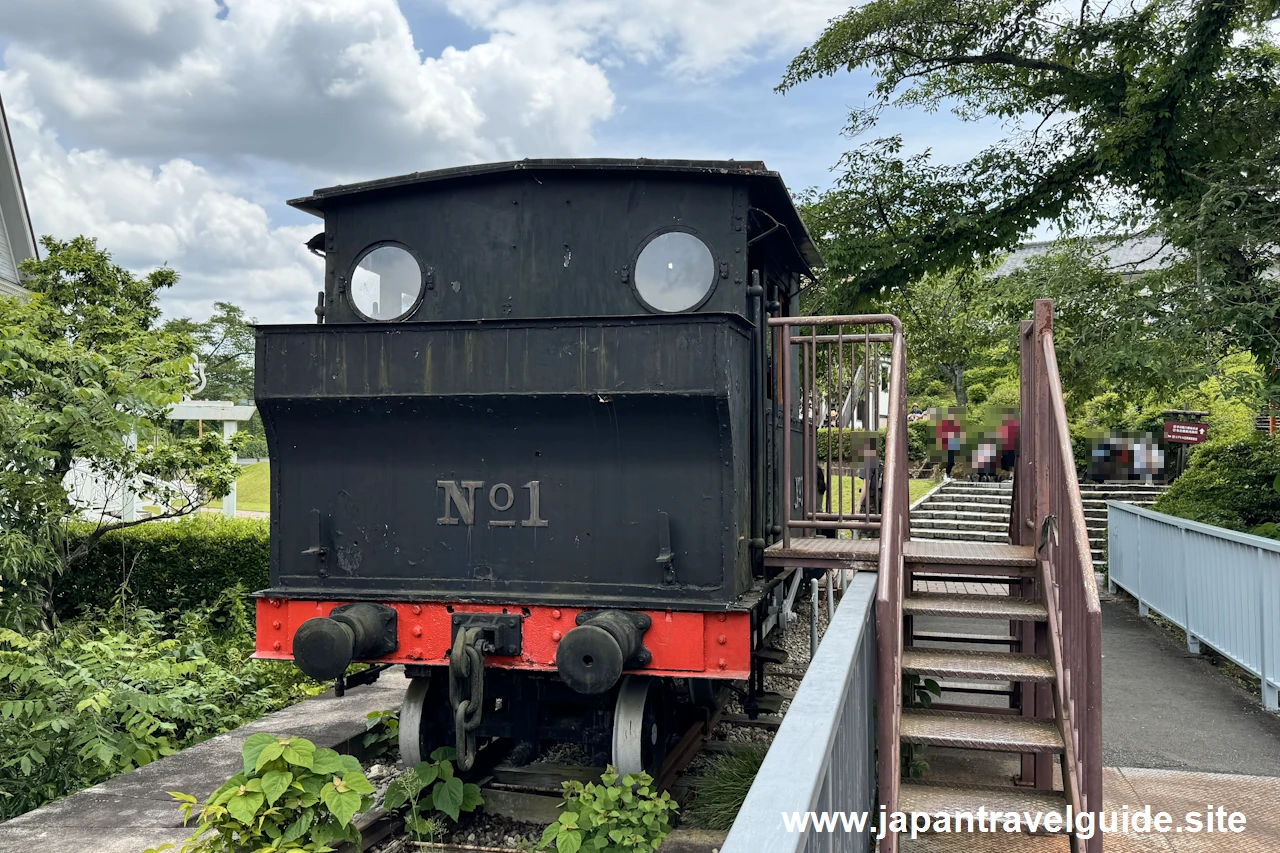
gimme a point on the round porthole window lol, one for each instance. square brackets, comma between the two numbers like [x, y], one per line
[386, 283]
[675, 271]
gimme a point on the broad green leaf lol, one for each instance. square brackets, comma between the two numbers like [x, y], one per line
[326, 762]
[472, 798]
[253, 748]
[245, 806]
[447, 796]
[299, 827]
[444, 753]
[299, 752]
[568, 842]
[425, 772]
[397, 795]
[275, 783]
[343, 805]
[267, 754]
[358, 782]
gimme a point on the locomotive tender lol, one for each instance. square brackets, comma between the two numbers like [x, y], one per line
[531, 450]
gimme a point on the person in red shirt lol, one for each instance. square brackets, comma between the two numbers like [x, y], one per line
[1008, 443]
[948, 431]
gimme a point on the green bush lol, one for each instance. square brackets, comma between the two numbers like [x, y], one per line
[290, 796]
[115, 690]
[627, 814]
[168, 564]
[1229, 483]
[919, 436]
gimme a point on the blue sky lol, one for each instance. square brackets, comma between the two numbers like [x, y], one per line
[173, 130]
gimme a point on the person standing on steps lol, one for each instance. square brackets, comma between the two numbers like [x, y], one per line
[949, 437]
[1008, 442]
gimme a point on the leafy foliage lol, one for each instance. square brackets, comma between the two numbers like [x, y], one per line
[382, 735]
[226, 345]
[290, 796]
[115, 690]
[1230, 483]
[187, 563]
[1131, 334]
[917, 692]
[721, 791]
[619, 814]
[1150, 114]
[82, 368]
[430, 785]
[948, 323]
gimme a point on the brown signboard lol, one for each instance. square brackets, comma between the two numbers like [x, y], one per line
[1183, 432]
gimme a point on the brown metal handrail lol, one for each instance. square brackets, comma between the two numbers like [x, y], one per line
[891, 518]
[1048, 514]
[895, 530]
[824, 352]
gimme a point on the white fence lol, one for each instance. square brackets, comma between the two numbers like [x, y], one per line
[1221, 587]
[824, 755]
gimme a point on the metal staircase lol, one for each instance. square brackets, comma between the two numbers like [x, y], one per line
[1023, 677]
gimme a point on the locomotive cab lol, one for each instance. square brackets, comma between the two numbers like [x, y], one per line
[529, 444]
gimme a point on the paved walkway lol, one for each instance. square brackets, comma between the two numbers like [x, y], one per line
[1165, 708]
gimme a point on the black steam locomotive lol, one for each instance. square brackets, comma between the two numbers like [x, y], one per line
[531, 450]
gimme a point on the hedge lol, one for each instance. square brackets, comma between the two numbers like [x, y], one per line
[1231, 484]
[167, 564]
[919, 436]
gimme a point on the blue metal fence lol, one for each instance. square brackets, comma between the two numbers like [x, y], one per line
[1221, 587]
[823, 757]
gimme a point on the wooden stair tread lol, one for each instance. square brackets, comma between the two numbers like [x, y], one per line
[820, 547]
[977, 606]
[985, 666]
[917, 797]
[958, 552]
[996, 732]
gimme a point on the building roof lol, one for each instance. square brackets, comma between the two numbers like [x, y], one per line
[17, 240]
[1128, 255]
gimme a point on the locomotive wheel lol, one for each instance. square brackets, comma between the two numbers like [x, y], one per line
[424, 720]
[640, 726]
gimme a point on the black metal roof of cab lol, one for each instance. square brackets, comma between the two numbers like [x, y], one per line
[778, 199]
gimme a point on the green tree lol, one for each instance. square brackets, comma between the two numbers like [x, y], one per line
[225, 344]
[83, 367]
[948, 323]
[1161, 113]
[1132, 334]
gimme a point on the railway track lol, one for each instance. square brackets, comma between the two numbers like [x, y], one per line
[532, 794]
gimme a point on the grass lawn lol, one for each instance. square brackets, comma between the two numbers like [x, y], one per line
[851, 490]
[253, 488]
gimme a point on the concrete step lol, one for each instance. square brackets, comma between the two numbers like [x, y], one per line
[1006, 485]
[1136, 500]
[965, 506]
[987, 499]
[929, 511]
[970, 535]
[961, 524]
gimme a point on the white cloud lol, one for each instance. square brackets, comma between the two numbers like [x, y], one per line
[178, 213]
[690, 38]
[336, 86]
[168, 132]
